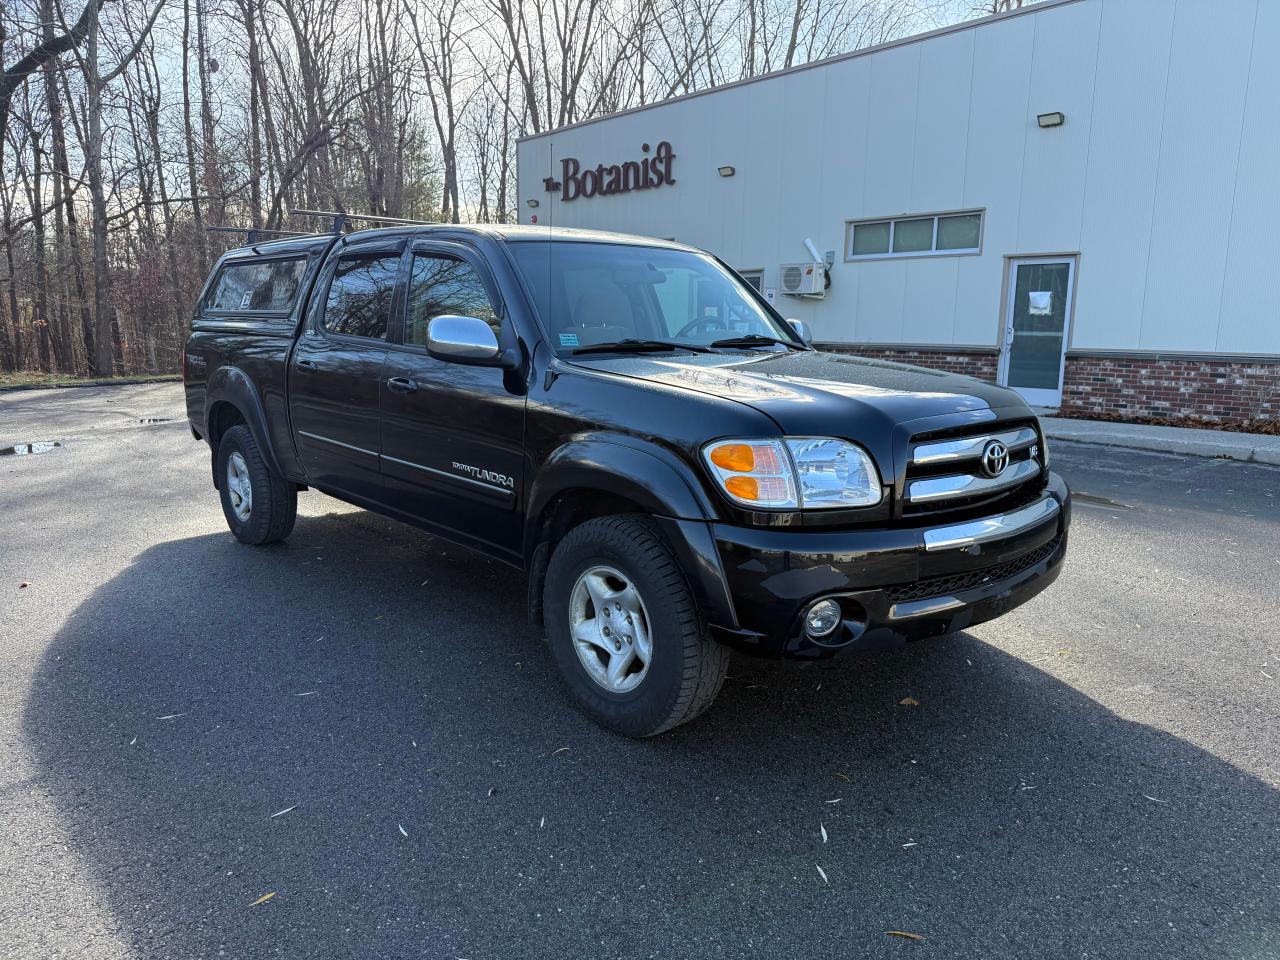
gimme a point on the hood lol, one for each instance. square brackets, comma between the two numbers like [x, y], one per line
[826, 394]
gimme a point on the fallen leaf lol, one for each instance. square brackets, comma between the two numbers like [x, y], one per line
[492, 791]
[281, 813]
[822, 873]
[913, 843]
[309, 693]
[403, 831]
[542, 823]
[133, 741]
[263, 899]
[1155, 799]
[561, 750]
[172, 716]
[24, 584]
[845, 777]
[823, 831]
[908, 702]
[905, 934]
[836, 800]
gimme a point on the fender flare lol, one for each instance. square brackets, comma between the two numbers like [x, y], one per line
[642, 472]
[232, 385]
[661, 485]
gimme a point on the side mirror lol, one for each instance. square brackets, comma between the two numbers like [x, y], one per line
[802, 328]
[467, 340]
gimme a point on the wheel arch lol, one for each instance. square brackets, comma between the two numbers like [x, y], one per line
[591, 477]
[230, 399]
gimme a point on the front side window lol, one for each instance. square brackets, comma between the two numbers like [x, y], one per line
[360, 296]
[600, 293]
[947, 233]
[442, 284]
[258, 286]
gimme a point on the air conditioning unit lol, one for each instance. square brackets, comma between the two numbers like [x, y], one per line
[803, 279]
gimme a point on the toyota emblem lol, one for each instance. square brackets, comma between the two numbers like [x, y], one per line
[995, 457]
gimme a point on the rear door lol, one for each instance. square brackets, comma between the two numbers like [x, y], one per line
[452, 435]
[336, 370]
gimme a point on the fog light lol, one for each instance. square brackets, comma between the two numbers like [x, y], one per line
[823, 617]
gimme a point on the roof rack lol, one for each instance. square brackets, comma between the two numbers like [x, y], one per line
[340, 219]
[254, 234]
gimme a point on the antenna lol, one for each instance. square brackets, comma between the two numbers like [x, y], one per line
[340, 219]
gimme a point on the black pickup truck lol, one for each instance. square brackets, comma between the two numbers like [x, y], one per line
[672, 465]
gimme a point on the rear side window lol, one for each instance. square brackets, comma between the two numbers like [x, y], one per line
[257, 286]
[360, 296]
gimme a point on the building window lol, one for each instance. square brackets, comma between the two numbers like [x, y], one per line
[941, 234]
[753, 277]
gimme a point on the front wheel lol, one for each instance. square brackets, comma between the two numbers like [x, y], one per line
[259, 505]
[624, 629]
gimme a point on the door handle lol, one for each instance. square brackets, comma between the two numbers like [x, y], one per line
[402, 385]
[305, 364]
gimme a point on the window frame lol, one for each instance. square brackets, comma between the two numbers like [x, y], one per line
[933, 251]
[474, 259]
[370, 252]
[756, 271]
[249, 315]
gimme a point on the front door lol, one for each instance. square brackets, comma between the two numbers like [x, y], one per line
[1036, 327]
[453, 435]
[335, 375]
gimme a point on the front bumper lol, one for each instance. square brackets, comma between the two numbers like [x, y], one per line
[893, 585]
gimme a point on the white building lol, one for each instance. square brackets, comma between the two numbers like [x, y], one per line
[1080, 198]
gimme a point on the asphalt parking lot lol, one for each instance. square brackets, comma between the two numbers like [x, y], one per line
[1094, 775]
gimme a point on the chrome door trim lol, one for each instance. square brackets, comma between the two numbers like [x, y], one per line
[337, 443]
[491, 487]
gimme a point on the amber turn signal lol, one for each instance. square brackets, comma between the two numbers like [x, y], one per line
[737, 457]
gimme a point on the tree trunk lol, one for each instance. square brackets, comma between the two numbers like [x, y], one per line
[197, 215]
[103, 332]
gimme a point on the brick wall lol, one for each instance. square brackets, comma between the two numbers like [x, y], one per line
[980, 365]
[1164, 387]
[1222, 390]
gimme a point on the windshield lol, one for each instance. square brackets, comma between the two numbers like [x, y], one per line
[593, 294]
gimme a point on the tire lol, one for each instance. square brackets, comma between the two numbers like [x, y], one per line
[685, 667]
[272, 501]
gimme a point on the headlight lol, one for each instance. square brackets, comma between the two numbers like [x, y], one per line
[794, 472]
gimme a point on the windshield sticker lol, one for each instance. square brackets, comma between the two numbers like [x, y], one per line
[568, 339]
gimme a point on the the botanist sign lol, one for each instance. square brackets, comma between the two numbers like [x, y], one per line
[604, 179]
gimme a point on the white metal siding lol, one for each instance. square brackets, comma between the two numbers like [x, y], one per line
[1163, 178]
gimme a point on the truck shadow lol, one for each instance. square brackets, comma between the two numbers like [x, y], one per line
[390, 692]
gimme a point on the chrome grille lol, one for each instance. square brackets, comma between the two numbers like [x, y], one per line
[948, 473]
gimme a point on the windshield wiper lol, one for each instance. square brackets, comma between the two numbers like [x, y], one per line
[753, 340]
[633, 345]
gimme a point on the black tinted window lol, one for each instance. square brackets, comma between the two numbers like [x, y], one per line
[360, 296]
[259, 285]
[445, 285]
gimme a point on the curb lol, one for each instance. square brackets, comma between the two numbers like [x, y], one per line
[1221, 444]
[114, 382]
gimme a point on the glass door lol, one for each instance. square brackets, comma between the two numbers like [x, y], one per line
[1035, 335]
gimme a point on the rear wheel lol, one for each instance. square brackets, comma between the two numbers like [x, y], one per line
[260, 506]
[624, 630]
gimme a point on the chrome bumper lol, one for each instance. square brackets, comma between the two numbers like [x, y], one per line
[957, 536]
